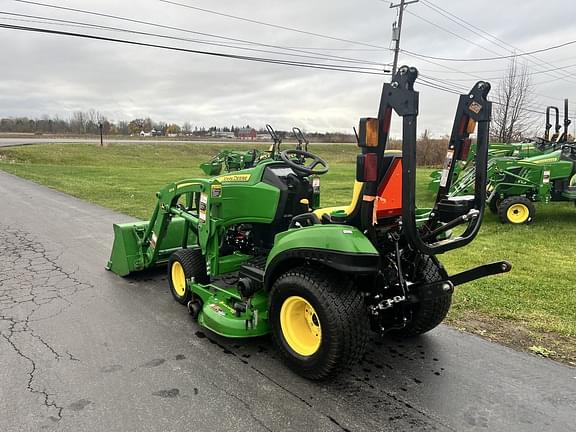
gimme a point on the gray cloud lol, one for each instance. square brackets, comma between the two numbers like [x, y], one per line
[43, 74]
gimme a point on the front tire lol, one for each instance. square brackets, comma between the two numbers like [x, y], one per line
[185, 264]
[517, 210]
[318, 321]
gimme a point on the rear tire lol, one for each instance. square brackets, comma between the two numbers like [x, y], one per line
[427, 314]
[185, 264]
[517, 210]
[318, 321]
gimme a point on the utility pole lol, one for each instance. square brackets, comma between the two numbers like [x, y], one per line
[397, 29]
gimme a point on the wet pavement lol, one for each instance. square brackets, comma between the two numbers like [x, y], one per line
[82, 349]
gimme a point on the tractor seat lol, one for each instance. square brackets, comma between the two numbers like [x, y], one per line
[388, 203]
[346, 210]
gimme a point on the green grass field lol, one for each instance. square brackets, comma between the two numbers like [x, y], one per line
[534, 305]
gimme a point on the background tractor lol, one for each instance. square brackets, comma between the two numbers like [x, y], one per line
[251, 252]
[464, 171]
[515, 181]
[514, 185]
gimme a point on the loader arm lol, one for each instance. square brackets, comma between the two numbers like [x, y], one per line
[173, 225]
[198, 202]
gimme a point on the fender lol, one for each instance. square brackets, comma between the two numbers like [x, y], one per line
[340, 247]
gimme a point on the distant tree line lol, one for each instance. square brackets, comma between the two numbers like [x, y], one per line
[87, 123]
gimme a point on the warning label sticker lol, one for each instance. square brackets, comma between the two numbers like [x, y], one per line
[216, 308]
[203, 206]
[446, 169]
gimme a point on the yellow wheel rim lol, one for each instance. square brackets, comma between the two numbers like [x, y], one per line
[518, 213]
[300, 326]
[178, 279]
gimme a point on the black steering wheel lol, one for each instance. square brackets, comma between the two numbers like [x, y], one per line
[299, 165]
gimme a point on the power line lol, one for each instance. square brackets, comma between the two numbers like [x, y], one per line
[491, 38]
[209, 53]
[62, 22]
[450, 32]
[527, 74]
[553, 70]
[281, 27]
[458, 21]
[437, 84]
[493, 58]
[447, 87]
[465, 39]
[148, 23]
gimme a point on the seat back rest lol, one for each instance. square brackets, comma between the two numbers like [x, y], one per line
[389, 202]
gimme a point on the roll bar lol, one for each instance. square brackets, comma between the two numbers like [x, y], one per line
[473, 111]
[277, 141]
[567, 121]
[301, 138]
[548, 124]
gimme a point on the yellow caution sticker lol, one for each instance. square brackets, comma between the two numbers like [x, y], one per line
[182, 185]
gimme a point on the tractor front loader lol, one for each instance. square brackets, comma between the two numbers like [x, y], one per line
[252, 252]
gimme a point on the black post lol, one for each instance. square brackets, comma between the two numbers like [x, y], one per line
[101, 127]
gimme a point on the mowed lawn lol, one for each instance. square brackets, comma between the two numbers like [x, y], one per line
[533, 306]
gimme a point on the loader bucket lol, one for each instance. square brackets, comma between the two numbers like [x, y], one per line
[128, 251]
[211, 168]
[126, 254]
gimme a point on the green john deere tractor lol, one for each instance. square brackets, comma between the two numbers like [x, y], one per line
[514, 185]
[516, 182]
[251, 252]
[464, 171]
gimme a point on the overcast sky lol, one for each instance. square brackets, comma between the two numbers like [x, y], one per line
[47, 74]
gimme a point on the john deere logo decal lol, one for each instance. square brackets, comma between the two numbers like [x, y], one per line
[235, 178]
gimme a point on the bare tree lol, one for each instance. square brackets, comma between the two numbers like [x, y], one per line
[510, 119]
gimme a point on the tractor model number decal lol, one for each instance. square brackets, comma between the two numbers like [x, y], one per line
[203, 206]
[235, 178]
[447, 166]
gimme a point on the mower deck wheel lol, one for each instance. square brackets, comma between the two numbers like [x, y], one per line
[318, 321]
[516, 210]
[183, 265]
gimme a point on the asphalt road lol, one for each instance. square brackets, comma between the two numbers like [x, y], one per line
[82, 349]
